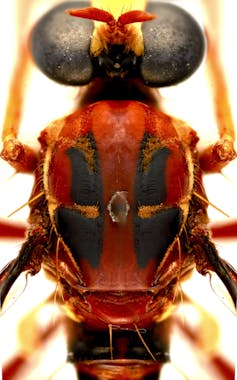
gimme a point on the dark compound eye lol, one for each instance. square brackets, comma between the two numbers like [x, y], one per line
[60, 45]
[173, 45]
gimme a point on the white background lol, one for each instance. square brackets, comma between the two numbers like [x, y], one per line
[46, 101]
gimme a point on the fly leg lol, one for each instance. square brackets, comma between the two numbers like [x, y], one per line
[217, 156]
[20, 156]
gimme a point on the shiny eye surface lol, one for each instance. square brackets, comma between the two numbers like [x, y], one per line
[60, 45]
[173, 45]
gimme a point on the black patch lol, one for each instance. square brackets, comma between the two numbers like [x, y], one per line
[87, 345]
[86, 186]
[154, 235]
[82, 235]
[150, 185]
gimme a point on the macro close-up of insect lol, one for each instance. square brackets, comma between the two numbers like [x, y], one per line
[118, 212]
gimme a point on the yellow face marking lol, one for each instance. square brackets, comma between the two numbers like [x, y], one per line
[117, 8]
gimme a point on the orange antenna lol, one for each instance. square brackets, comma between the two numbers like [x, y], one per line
[92, 13]
[119, 31]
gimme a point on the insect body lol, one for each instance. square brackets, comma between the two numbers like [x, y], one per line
[118, 211]
[116, 186]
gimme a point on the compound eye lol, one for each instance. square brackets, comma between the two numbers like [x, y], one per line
[60, 45]
[174, 46]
